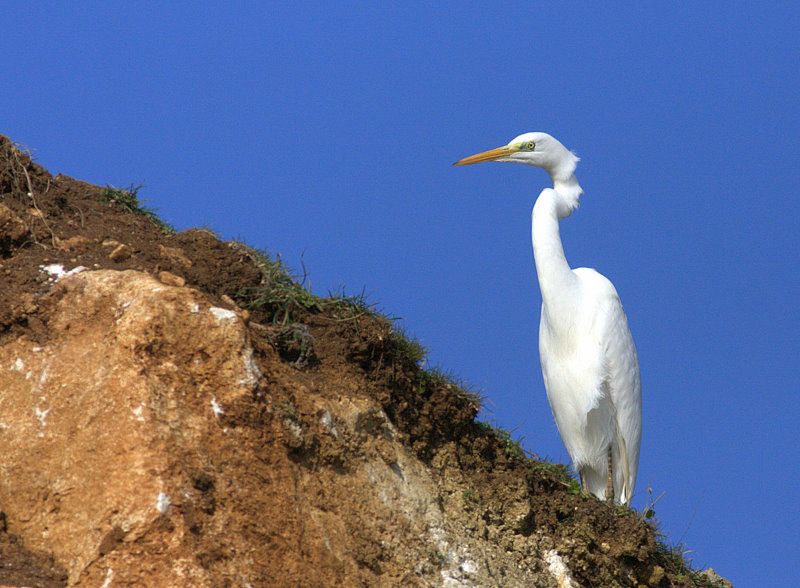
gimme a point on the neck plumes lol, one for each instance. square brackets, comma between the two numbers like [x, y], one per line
[569, 192]
[555, 276]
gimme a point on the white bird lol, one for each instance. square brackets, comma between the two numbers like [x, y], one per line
[589, 362]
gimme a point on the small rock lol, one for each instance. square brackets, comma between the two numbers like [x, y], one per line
[175, 254]
[656, 576]
[78, 243]
[715, 578]
[171, 279]
[110, 243]
[120, 253]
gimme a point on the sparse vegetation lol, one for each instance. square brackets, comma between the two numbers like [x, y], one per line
[676, 562]
[429, 379]
[278, 295]
[128, 198]
[561, 472]
[282, 296]
[649, 511]
[403, 346]
[345, 306]
[511, 445]
[19, 158]
[441, 377]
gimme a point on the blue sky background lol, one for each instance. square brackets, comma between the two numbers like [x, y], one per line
[328, 133]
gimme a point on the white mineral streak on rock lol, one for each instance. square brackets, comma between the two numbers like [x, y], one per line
[326, 420]
[56, 271]
[216, 408]
[75, 270]
[138, 412]
[251, 371]
[558, 569]
[162, 502]
[222, 314]
[109, 576]
[460, 568]
[41, 416]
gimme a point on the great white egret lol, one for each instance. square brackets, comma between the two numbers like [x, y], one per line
[589, 363]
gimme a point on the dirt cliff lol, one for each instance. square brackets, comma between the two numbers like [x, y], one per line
[176, 411]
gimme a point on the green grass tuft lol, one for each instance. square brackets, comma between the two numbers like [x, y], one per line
[436, 378]
[512, 446]
[404, 346]
[278, 294]
[469, 496]
[129, 200]
[345, 307]
[282, 295]
[446, 379]
[675, 560]
[561, 473]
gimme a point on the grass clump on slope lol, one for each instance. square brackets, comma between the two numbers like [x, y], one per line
[128, 198]
[283, 298]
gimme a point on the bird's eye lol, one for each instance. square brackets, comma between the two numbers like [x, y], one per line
[530, 145]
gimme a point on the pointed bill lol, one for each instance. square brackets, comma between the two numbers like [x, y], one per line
[490, 155]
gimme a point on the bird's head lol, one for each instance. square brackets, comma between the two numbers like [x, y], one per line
[539, 149]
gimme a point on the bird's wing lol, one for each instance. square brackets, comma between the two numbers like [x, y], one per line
[621, 366]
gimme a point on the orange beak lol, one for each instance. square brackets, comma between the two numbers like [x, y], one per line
[490, 155]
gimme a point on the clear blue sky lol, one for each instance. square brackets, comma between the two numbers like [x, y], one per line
[329, 133]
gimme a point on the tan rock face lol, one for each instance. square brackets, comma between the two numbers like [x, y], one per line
[93, 423]
[142, 446]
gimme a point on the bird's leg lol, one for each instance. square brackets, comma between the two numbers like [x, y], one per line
[583, 480]
[610, 480]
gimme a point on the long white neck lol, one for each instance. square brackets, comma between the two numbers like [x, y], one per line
[556, 280]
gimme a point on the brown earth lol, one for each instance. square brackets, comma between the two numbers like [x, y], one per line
[176, 414]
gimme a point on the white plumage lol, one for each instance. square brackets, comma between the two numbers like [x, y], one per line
[589, 362]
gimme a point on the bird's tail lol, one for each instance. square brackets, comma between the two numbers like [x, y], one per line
[622, 469]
